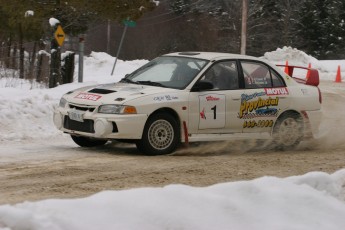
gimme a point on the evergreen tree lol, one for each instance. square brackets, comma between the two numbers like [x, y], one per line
[264, 26]
[180, 6]
[74, 15]
[339, 30]
[28, 20]
[321, 28]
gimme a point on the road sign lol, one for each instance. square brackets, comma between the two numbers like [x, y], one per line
[59, 35]
[129, 23]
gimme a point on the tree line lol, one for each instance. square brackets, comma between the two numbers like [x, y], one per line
[314, 26]
[25, 28]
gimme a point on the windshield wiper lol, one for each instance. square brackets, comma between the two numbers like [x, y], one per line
[126, 80]
[151, 83]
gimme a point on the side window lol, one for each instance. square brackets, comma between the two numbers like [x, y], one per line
[223, 75]
[276, 80]
[256, 75]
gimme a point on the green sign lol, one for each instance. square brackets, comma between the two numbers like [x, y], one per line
[129, 23]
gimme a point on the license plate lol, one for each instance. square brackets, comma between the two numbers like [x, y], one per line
[76, 115]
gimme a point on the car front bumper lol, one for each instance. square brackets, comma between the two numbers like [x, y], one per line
[105, 126]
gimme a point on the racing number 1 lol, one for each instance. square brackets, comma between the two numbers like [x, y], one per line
[214, 108]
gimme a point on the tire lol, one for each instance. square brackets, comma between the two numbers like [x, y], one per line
[88, 142]
[288, 131]
[161, 135]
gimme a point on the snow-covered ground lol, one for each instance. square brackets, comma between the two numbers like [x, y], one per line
[311, 201]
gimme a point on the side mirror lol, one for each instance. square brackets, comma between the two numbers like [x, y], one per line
[202, 85]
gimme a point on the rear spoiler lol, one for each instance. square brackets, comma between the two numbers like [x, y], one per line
[312, 77]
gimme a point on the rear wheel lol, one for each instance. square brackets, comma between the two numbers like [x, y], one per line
[87, 142]
[161, 135]
[288, 131]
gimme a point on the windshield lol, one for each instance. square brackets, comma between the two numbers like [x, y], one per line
[166, 71]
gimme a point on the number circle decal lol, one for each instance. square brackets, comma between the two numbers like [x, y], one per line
[212, 111]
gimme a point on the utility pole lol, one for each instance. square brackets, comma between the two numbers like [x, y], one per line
[81, 58]
[55, 62]
[108, 37]
[244, 26]
[55, 56]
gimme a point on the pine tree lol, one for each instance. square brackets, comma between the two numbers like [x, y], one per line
[28, 21]
[265, 26]
[321, 28]
[339, 30]
[272, 24]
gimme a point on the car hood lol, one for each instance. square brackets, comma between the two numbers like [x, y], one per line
[115, 93]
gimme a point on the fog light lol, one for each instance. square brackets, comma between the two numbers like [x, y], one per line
[102, 127]
[58, 120]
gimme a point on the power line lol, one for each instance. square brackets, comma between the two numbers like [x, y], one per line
[168, 20]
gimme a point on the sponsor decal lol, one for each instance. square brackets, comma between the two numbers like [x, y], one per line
[246, 97]
[247, 108]
[170, 98]
[276, 91]
[165, 98]
[269, 112]
[259, 124]
[88, 96]
[211, 98]
[158, 98]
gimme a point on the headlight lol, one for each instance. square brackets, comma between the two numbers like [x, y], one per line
[63, 102]
[117, 109]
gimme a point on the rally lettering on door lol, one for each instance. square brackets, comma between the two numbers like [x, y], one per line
[212, 111]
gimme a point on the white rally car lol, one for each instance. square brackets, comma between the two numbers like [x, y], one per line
[194, 96]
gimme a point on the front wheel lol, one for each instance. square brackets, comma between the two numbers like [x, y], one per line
[87, 142]
[161, 135]
[288, 131]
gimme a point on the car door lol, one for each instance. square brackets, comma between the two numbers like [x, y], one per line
[214, 110]
[265, 95]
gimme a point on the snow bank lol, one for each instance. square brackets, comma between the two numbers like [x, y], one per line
[98, 66]
[327, 69]
[309, 202]
[27, 114]
[27, 107]
[292, 55]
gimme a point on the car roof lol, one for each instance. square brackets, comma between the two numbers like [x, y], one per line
[212, 55]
